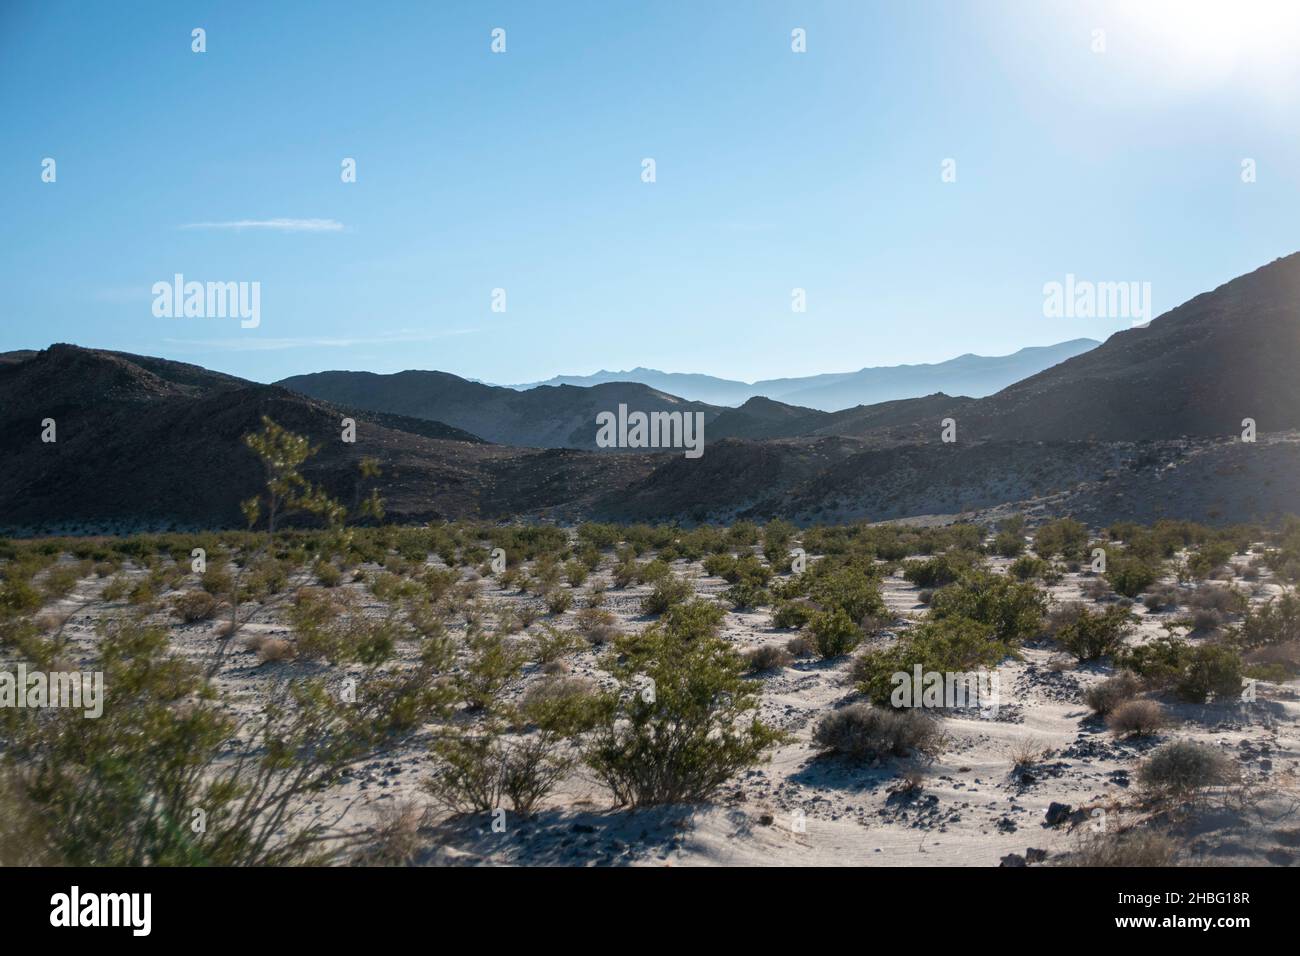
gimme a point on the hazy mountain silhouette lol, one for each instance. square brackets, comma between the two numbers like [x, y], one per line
[969, 375]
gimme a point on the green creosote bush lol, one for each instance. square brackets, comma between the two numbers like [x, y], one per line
[950, 645]
[1130, 576]
[1064, 536]
[1027, 567]
[121, 790]
[668, 591]
[682, 722]
[1195, 673]
[1013, 609]
[559, 601]
[833, 632]
[1095, 634]
[745, 595]
[792, 614]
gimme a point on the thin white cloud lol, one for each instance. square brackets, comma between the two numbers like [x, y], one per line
[277, 225]
[253, 343]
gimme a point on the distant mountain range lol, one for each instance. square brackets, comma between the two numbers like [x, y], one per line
[970, 375]
[1146, 425]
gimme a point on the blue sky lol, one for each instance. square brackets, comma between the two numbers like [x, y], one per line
[522, 171]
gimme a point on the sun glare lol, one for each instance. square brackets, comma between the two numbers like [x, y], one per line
[1209, 40]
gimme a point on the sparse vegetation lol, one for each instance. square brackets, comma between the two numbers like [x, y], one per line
[863, 732]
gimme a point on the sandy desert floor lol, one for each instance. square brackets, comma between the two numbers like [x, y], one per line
[971, 805]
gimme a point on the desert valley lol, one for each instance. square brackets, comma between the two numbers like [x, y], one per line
[428, 646]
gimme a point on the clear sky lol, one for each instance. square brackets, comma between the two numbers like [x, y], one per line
[523, 171]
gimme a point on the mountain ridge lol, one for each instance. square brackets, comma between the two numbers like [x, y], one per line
[835, 391]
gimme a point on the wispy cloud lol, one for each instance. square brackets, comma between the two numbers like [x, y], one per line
[277, 225]
[255, 343]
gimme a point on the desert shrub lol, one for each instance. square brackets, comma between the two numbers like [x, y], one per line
[694, 619]
[437, 583]
[60, 580]
[1144, 848]
[1182, 768]
[553, 644]
[480, 772]
[589, 619]
[850, 589]
[265, 577]
[493, 662]
[1130, 575]
[1160, 662]
[1008, 544]
[1096, 589]
[1064, 536]
[1162, 598]
[1027, 567]
[653, 571]
[1222, 600]
[142, 592]
[768, 657]
[485, 768]
[394, 839]
[601, 536]
[1013, 609]
[719, 565]
[792, 614]
[1136, 718]
[833, 632]
[950, 645]
[559, 601]
[117, 587]
[24, 836]
[1211, 670]
[217, 580]
[193, 606]
[778, 536]
[668, 591]
[934, 572]
[1095, 634]
[1273, 662]
[1209, 558]
[120, 790]
[624, 573]
[271, 650]
[17, 596]
[801, 646]
[328, 574]
[1105, 697]
[746, 594]
[576, 572]
[1194, 672]
[1204, 620]
[683, 723]
[864, 732]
